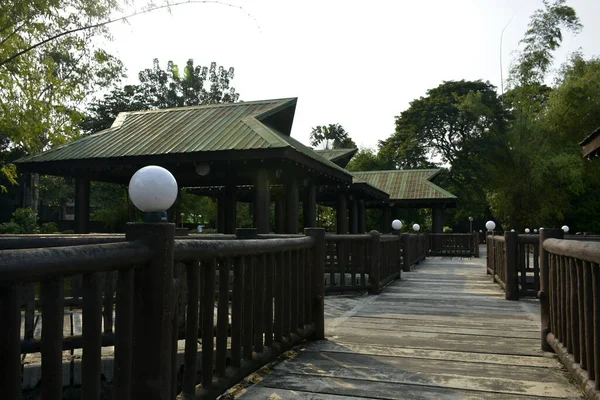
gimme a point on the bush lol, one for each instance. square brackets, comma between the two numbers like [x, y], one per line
[10, 228]
[50, 227]
[24, 220]
[68, 232]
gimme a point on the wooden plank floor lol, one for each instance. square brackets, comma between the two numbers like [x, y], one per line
[443, 331]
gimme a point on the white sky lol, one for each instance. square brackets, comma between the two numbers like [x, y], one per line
[356, 63]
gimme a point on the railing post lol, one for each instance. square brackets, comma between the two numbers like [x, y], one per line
[318, 281]
[406, 252]
[544, 283]
[374, 272]
[511, 262]
[153, 313]
[475, 239]
[246, 233]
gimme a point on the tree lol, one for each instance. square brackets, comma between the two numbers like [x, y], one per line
[332, 136]
[160, 88]
[367, 159]
[43, 88]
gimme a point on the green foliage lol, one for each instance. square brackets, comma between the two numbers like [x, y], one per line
[332, 136]
[111, 206]
[542, 38]
[49, 227]
[160, 88]
[24, 220]
[367, 159]
[43, 88]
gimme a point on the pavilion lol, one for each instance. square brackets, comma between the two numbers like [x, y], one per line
[236, 152]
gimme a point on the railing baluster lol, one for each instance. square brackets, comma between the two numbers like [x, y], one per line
[301, 290]
[581, 317]
[192, 273]
[567, 296]
[294, 290]
[278, 296]
[589, 319]
[10, 337]
[248, 297]
[269, 282]
[123, 335]
[259, 298]
[309, 290]
[574, 311]
[109, 292]
[342, 264]
[286, 315]
[596, 315]
[92, 337]
[29, 297]
[52, 295]
[222, 317]
[237, 299]
[208, 303]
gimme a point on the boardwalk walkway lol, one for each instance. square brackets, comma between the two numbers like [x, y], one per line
[443, 331]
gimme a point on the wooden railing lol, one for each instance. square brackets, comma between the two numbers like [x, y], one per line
[453, 244]
[361, 262]
[414, 249]
[570, 304]
[275, 300]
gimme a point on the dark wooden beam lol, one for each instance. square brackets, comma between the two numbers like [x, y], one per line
[386, 219]
[310, 206]
[262, 201]
[437, 219]
[342, 213]
[230, 202]
[362, 218]
[82, 205]
[354, 215]
[291, 195]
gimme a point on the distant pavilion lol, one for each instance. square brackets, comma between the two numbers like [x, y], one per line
[234, 152]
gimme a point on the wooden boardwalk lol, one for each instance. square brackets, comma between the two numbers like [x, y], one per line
[443, 331]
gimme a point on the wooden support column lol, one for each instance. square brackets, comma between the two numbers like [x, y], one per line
[437, 219]
[341, 213]
[262, 201]
[230, 208]
[354, 215]
[291, 196]
[362, 218]
[221, 213]
[386, 219]
[310, 206]
[279, 212]
[82, 205]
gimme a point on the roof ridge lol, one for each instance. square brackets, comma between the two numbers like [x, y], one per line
[398, 170]
[272, 138]
[207, 106]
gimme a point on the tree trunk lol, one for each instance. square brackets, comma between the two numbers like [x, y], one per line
[32, 192]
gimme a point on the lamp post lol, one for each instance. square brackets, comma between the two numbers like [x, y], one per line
[527, 230]
[416, 228]
[153, 190]
[182, 215]
[470, 224]
[565, 229]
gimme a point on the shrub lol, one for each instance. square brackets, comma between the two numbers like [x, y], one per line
[10, 228]
[50, 227]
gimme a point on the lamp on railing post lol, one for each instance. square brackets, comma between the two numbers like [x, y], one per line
[527, 230]
[181, 221]
[470, 224]
[490, 226]
[535, 231]
[396, 226]
[565, 229]
[149, 359]
[416, 228]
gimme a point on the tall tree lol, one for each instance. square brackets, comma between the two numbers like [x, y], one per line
[332, 136]
[42, 90]
[159, 88]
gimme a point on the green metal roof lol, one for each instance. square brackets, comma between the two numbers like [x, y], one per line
[340, 157]
[406, 184]
[234, 126]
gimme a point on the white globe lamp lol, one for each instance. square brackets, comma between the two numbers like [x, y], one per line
[490, 225]
[527, 230]
[396, 224]
[565, 229]
[153, 190]
[416, 227]
[535, 231]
